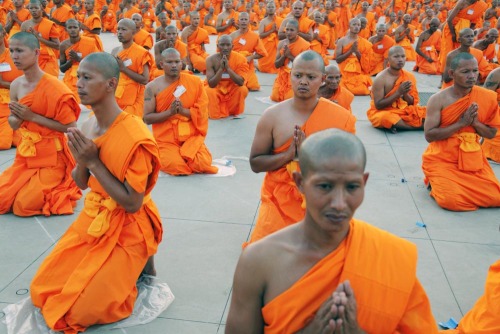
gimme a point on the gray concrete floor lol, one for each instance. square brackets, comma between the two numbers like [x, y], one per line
[207, 219]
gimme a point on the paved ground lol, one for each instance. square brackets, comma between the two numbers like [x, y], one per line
[206, 220]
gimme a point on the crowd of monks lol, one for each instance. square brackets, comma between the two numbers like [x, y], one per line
[331, 50]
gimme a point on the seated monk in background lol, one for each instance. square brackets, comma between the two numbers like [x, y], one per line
[488, 46]
[288, 49]
[353, 54]
[42, 109]
[196, 38]
[279, 133]
[227, 72]
[381, 43]
[142, 36]
[491, 147]
[332, 90]
[108, 19]
[268, 34]
[176, 104]
[90, 276]
[427, 48]
[171, 41]
[394, 103]
[404, 37]
[321, 36]
[458, 173]
[342, 275]
[92, 24]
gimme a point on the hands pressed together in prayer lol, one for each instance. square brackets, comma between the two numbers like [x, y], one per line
[469, 117]
[298, 137]
[84, 150]
[73, 56]
[21, 111]
[224, 62]
[404, 88]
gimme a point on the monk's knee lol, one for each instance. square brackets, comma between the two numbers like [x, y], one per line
[449, 198]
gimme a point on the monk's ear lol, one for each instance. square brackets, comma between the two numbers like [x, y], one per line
[365, 177]
[297, 177]
[112, 84]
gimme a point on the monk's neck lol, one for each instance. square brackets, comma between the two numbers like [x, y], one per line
[171, 79]
[38, 20]
[352, 35]
[290, 41]
[90, 12]
[33, 74]
[126, 45]
[74, 40]
[393, 72]
[105, 114]
[2, 47]
[318, 239]
[460, 92]
[59, 5]
[305, 105]
[243, 31]
[464, 48]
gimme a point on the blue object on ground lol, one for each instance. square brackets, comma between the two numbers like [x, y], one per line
[420, 224]
[450, 324]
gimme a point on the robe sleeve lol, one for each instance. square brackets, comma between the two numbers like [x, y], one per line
[139, 169]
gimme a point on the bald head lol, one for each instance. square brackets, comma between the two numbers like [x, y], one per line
[465, 32]
[459, 59]
[435, 21]
[171, 28]
[225, 39]
[243, 15]
[170, 51]
[26, 39]
[293, 23]
[128, 23]
[71, 21]
[104, 63]
[332, 69]
[396, 49]
[310, 56]
[136, 16]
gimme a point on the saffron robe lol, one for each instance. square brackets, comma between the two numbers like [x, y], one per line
[400, 109]
[73, 286]
[246, 45]
[458, 172]
[197, 55]
[342, 97]
[181, 47]
[130, 94]
[227, 98]
[47, 60]
[93, 22]
[266, 63]
[282, 203]
[22, 15]
[39, 181]
[182, 140]
[391, 300]
[430, 48]
[380, 53]
[234, 15]
[62, 14]
[109, 22]
[356, 73]
[148, 18]
[282, 87]
[406, 44]
[321, 47]
[144, 39]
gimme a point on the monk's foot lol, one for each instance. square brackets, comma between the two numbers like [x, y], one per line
[393, 130]
[149, 268]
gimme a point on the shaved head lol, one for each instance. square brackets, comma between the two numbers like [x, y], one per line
[321, 146]
[465, 31]
[243, 14]
[332, 69]
[293, 23]
[136, 16]
[457, 60]
[27, 39]
[72, 21]
[395, 49]
[129, 23]
[104, 63]
[170, 51]
[225, 38]
[310, 56]
[435, 20]
[171, 27]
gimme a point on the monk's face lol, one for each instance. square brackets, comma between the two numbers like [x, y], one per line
[18, 3]
[228, 4]
[365, 6]
[171, 35]
[243, 21]
[125, 32]
[195, 19]
[397, 59]
[466, 74]
[137, 20]
[328, 5]
[35, 10]
[433, 26]
[392, 16]
[73, 29]
[163, 20]
[491, 37]
[467, 38]
[306, 78]
[332, 79]
[297, 9]
[172, 65]
[407, 19]
[381, 31]
[355, 26]
[89, 5]
[270, 9]
[186, 6]
[22, 56]
[291, 32]
[91, 85]
[225, 46]
[318, 18]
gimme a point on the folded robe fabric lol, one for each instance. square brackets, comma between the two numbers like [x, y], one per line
[197, 55]
[356, 73]
[430, 47]
[247, 44]
[270, 42]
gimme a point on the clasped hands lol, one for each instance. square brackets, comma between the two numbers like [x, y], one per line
[84, 150]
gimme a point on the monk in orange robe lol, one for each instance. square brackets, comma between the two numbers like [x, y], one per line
[50, 38]
[92, 25]
[353, 54]
[61, 13]
[321, 36]
[119, 227]
[141, 36]
[268, 34]
[305, 29]
[108, 20]
[176, 104]
[17, 17]
[135, 62]
[196, 38]
[7, 75]
[248, 44]
[171, 41]
[288, 49]
[279, 133]
[344, 17]
[226, 21]
[488, 46]
[209, 22]
[148, 17]
[454, 163]
[39, 181]
[331, 20]
[491, 147]
[227, 73]
[332, 90]
[72, 51]
[427, 48]
[129, 9]
[381, 43]
[350, 269]
[369, 16]
[404, 36]
[394, 103]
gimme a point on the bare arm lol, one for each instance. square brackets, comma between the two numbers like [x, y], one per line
[64, 64]
[280, 58]
[150, 114]
[237, 79]
[263, 34]
[492, 81]
[446, 76]
[24, 113]
[307, 36]
[81, 176]
[421, 39]
[213, 77]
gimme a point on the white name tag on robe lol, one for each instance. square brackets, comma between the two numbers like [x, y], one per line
[380, 46]
[225, 76]
[243, 41]
[79, 54]
[290, 64]
[5, 67]
[393, 30]
[227, 21]
[428, 48]
[179, 91]
[316, 31]
[127, 62]
[470, 12]
[415, 31]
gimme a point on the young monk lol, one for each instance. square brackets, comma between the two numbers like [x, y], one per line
[248, 44]
[90, 276]
[171, 41]
[394, 103]
[381, 43]
[491, 147]
[427, 48]
[47, 33]
[305, 25]
[227, 72]
[59, 14]
[42, 109]
[454, 164]
[321, 36]
[404, 37]
[196, 38]
[342, 274]
[332, 90]
[278, 136]
[134, 62]
[72, 51]
[160, 30]
[108, 19]
[209, 22]
[16, 17]
[176, 105]
[141, 36]
[92, 25]
[226, 21]
[288, 49]
[268, 34]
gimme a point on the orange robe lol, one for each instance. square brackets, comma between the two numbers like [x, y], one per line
[333, 17]
[430, 48]
[127, 14]
[6, 132]
[380, 53]
[93, 22]
[282, 87]
[344, 16]
[406, 44]
[39, 181]
[246, 45]
[266, 64]
[210, 28]
[182, 140]
[73, 286]
[399, 110]
[22, 15]
[130, 94]
[391, 300]
[62, 14]
[47, 60]
[227, 98]
[282, 203]
[109, 22]
[84, 47]
[148, 18]
[342, 97]
[144, 39]
[234, 15]
[489, 52]
[356, 74]
[197, 55]
[321, 47]
[458, 172]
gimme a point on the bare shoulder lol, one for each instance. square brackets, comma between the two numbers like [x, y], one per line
[87, 127]
[276, 112]
[380, 76]
[440, 99]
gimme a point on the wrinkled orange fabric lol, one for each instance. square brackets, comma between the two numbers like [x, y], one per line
[483, 66]
[305, 24]
[109, 22]
[356, 73]
[430, 48]
[381, 52]
[91, 278]
[282, 87]
[197, 55]
[93, 22]
[266, 64]
[47, 60]
[344, 16]
[342, 97]
[491, 147]
[182, 140]
[39, 181]
[489, 54]
[128, 12]
[460, 177]
[84, 47]
[22, 15]
[381, 269]
[144, 39]
[6, 132]
[321, 47]
[130, 94]
[227, 98]
[333, 17]
[62, 14]
[148, 18]
[246, 45]
[234, 15]
[399, 110]
[282, 203]
[406, 44]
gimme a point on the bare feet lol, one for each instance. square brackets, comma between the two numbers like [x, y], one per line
[149, 268]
